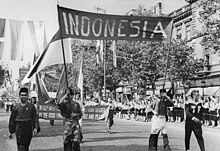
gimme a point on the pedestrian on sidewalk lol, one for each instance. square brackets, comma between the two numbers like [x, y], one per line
[159, 107]
[72, 112]
[194, 117]
[23, 121]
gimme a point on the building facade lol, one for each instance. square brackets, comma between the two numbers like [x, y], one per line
[188, 25]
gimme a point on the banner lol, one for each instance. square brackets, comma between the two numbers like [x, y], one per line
[85, 25]
[2, 36]
[49, 112]
[96, 112]
[16, 38]
[51, 82]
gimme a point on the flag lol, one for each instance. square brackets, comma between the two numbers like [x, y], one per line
[16, 38]
[99, 51]
[104, 115]
[2, 36]
[80, 79]
[113, 48]
[51, 55]
[42, 94]
[62, 85]
[33, 38]
[38, 39]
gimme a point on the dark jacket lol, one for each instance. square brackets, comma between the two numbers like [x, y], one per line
[25, 113]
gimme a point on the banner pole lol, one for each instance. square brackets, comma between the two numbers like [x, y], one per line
[104, 60]
[64, 59]
[168, 56]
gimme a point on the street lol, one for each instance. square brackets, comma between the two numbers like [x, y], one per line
[127, 135]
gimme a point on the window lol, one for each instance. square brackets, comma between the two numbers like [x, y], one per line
[188, 32]
[178, 32]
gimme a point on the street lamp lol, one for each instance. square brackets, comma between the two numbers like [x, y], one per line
[203, 86]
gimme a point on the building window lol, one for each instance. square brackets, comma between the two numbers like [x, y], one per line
[188, 32]
[178, 32]
[207, 58]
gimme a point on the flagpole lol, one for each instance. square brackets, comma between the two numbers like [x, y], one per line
[104, 60]
[168, 56]
[104, 55]
[82, 72]
[64, 59]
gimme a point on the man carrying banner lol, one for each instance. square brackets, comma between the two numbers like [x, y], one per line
[159, 107]
[83, 112]
[72, 112]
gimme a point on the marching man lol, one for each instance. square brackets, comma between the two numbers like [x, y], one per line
[159, 107]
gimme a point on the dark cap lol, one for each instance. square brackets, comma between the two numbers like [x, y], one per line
[23, 89]
[162, 90]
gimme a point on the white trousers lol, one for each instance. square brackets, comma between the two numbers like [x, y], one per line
[158, 125]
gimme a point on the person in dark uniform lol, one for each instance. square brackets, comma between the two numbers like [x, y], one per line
[194, 117]
[72, 112]
[159, 107]
[110, 117]
[23, 121]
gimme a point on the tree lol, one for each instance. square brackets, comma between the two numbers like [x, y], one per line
[209, 16]
[183, 65]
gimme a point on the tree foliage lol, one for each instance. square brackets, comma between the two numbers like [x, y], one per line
[183, 65]
[209, 15]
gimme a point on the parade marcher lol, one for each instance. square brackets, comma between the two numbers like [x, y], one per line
[110, 117]
[23, 121]
[159, 107]
[83, 112]
[72, 112]
[194, 117]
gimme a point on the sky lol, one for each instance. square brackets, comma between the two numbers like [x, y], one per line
[46, 10]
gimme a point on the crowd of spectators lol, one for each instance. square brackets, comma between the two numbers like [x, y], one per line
[141, 110]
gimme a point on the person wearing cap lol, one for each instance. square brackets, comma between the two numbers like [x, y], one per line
[159, 106]
[23, 121]
[72, 112]
[194, 117]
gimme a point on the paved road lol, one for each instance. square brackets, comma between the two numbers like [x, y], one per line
[128, 135]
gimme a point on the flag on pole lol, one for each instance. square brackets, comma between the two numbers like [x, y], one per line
[41, 90]
[62, 85]
[2, 36]
[99, 51]
[80, 79]
[113, 48]
[51, 55]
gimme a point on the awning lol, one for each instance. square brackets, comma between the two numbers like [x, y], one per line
[194, 89]
[210, 91]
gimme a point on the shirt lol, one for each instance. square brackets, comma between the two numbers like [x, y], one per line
[27, 113]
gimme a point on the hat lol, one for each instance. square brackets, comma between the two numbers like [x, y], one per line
[162, 90]
[23, 89]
